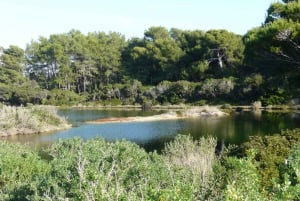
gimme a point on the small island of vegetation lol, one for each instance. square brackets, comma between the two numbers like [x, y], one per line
[30, 120]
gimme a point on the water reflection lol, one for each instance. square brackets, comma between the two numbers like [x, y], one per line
[235, 128]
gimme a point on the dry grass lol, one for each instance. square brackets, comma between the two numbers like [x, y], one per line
[196, 156]
[27, 120]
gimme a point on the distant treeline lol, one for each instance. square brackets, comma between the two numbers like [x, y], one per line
[164, 67]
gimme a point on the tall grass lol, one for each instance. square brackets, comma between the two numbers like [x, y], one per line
[31, 119]
[195, 156]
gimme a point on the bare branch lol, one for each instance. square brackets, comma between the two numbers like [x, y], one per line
[284, 35]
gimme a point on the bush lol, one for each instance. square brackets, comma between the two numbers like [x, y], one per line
[272, 100]
[213, 89]
[123, 171]
[64, 97]
[289, 189]
[226, 106]
[243, 180]
[98, 170]
[175, 92]
[21, 172]
[28, 92]
[270, 154]
[186, 170]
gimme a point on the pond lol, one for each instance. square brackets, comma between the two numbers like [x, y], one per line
[233, 129]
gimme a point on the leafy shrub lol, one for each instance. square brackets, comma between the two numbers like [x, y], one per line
[289, 189]
[226, 106]
[186, 170]
[21, 172]
[270, 154]
[272, 100]
[214, 88]
[243, 180]
[64, 97]
[200, 103]
[175, 92]
[99, 170]
[121, 170]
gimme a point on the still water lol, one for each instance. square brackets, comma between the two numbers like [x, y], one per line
[233, 129]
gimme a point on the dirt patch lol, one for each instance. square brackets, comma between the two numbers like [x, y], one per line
[112, 120]
[204, 111]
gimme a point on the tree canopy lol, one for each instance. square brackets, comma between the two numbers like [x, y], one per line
[261, 65]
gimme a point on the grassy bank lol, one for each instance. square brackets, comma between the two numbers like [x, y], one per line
[29, 120]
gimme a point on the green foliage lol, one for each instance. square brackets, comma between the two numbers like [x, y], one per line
[289, 188]
[177, 92]
[219, 66]
[242, 180]
[14, 87]
[230, 42]
[272, 100]
[155, 58]
[186, 170]
[294, 162]
[63, 97]
[273, 50]
[213, 88]
[13, 58]
[181, 55]
[270, 154]
[99, 170]
[74, 61]
[251, 87]
[272, 46]
[290, 11]
[265, 168]
[21, 172]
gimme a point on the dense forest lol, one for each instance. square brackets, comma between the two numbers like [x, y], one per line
[164, 67]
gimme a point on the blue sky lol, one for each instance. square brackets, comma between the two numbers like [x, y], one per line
[26, 20]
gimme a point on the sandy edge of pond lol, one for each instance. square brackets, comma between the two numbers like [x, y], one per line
[27, 131]
[203, 111]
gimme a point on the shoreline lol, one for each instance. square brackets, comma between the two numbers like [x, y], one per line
[205, 111]
[184, 106]
[26, 131]
[185, 111]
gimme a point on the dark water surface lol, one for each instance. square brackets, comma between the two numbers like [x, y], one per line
[235, 128]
